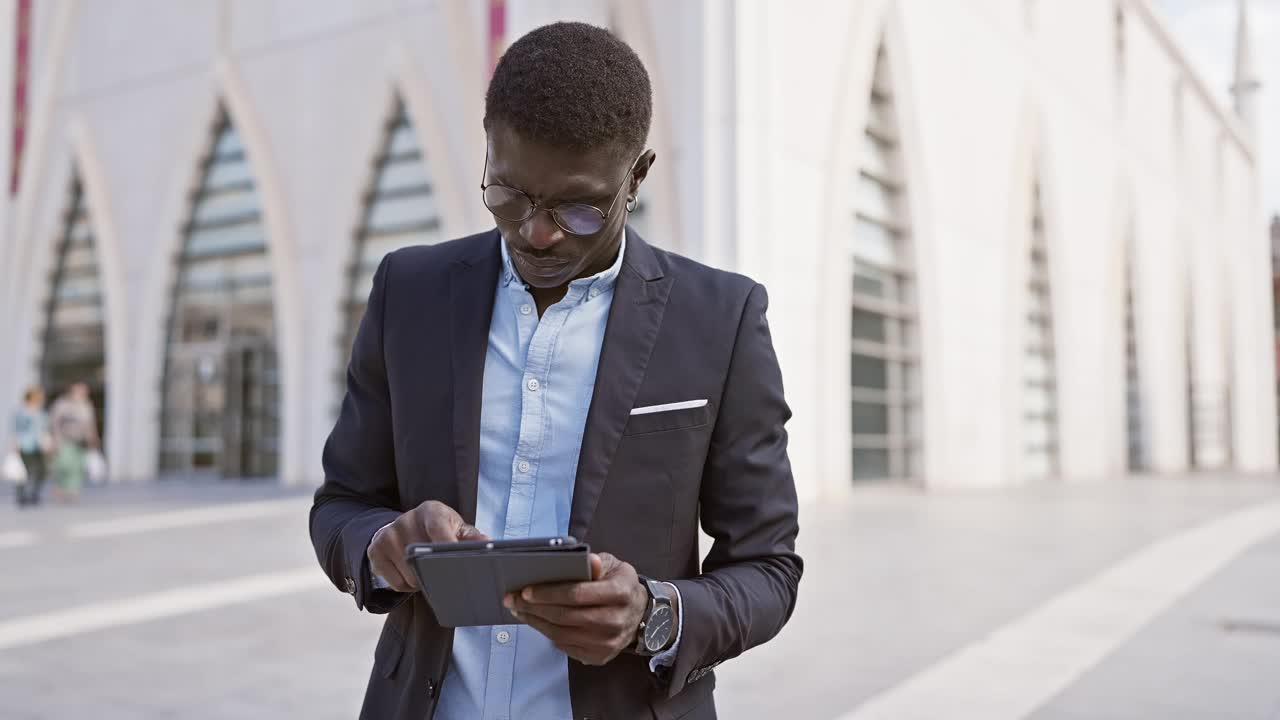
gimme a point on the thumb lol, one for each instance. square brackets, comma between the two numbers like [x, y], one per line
[603, 565]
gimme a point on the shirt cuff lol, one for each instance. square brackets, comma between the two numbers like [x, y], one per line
[378, 582]
[667, 658]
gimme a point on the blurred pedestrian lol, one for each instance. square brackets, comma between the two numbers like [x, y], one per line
[75, 432]
[32, 442]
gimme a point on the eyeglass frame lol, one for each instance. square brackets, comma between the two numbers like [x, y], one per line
[534, 206]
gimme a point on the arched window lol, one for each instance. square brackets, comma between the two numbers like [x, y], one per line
[400, 210]
[885, 338]
[1039, 372]
[221, 383]
[73, 349]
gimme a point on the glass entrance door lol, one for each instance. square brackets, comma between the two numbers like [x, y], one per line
[251, 416]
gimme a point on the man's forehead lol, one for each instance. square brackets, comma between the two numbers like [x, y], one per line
[546, 170]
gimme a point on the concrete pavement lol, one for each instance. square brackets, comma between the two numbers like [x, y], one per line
[193, 601]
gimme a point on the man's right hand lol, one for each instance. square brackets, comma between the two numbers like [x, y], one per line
[432, 521]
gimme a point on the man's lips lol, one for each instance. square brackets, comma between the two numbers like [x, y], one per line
[543, 263]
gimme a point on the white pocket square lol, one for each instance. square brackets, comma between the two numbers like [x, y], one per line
[686, 405]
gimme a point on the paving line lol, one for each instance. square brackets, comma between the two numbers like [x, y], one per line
[16, 538]
[226, 512]
[1019, 667]
[33, 629]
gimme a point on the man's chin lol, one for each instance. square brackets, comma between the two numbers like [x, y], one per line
[548, 276]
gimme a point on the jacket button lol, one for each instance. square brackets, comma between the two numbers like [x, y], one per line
[351, 586]
[431, 687]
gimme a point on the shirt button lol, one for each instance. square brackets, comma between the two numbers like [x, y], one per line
[533, 384]
[523, 466]
[525, 309]
[503, 637]
[594, 292]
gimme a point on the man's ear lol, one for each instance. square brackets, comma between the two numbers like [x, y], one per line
[646, 160]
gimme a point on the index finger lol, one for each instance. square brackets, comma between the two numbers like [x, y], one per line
[579, 594]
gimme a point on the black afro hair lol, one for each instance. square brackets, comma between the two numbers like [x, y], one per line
[572, 86]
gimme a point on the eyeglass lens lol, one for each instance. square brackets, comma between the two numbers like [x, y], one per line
[514, 206]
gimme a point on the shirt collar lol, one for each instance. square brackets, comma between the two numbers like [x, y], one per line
[601, 281]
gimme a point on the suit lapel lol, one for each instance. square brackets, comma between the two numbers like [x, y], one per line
[473, 284]
[639, 299]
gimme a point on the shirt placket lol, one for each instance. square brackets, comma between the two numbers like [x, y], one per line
[539, 337]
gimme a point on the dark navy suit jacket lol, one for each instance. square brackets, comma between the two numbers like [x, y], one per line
[409, 429]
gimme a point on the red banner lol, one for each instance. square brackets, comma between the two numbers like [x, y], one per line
[21, 65]
[497, 31]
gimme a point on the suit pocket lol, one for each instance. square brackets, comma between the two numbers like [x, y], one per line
[695, 701]
[386, 658]
[668, 420]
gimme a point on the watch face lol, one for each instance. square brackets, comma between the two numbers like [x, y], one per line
[657, 632]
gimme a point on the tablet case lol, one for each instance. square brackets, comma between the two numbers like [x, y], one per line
[464, 582]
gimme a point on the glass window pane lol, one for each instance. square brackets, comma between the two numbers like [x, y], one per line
[361, 288]
[80, 257]
[870, 464]
[228, 143]
[242, 237]
[868, 326]
[877, 155]
[870, 418]
[876, 199]
[81, 236]
[222, 174]
[226, 204]
[403, 141]
[402, 174]
[1039, 400]
[867, 281]
[870, 372]
[1037, 463]
[1037, 433]
[73, 315]
[401, 211]
[880, 117]
[376, 246]
[78, 288]
[874, 242]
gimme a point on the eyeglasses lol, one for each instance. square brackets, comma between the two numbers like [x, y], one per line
[512, 205]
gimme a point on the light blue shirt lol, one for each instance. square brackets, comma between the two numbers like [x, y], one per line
[29, 427]
[539, 376]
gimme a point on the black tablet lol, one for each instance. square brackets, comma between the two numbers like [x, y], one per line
[464, 582]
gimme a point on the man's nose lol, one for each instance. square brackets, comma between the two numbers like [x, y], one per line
[540, 231]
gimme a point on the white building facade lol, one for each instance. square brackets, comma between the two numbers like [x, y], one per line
[1004, 240]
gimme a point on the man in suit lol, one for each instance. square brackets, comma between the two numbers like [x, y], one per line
[559, 376]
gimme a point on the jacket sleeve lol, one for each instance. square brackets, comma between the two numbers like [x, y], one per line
[749, 580]
[360, 492]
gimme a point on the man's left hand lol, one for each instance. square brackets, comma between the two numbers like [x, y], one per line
[590, 621]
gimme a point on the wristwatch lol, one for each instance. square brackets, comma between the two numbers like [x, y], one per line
[657, 631]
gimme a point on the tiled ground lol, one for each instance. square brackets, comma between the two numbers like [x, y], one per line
[895, 580]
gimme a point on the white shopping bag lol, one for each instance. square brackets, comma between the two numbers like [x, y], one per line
[95, 467]
[12, 470]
